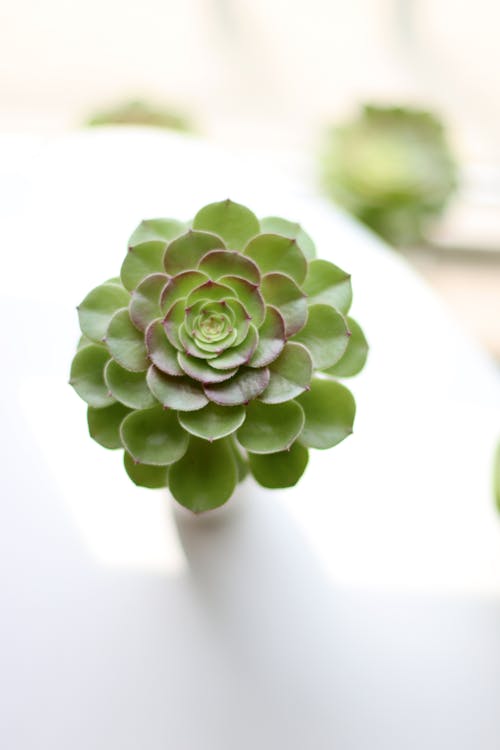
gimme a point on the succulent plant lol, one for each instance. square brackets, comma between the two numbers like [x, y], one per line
[392, 168]
[217, 352]
[138, 112]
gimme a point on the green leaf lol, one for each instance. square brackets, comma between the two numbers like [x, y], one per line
[142, 260]
[98, 307]
[291, 374]
[205, 477]
[269, 428]
[274, 253]
[87, 376]
[279, 470]
[175, 393]
[201, 371]
[282, 292]
[326, 284]
[145, 302]
[325, 335]
[329, 409]
[126, 343]
[246, 385]
[179, 287]
[276, 225]
[84, 341]
[241, 461]
[211, 291]
[160, 350]
[154, 436]
[233, 222]
[249, 295]
[161, 230]
[173, 322]
[213, 421]
[219, 263]
[355, 355]
[104, 424]
[152, 477]
[185, 252]
[130, 388]
[237, 355]
[271, 338]
[202, 349]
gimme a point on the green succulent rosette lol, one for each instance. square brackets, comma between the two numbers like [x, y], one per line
[392, 168]
[217, 353]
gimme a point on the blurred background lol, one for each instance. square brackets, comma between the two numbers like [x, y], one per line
[277, 75]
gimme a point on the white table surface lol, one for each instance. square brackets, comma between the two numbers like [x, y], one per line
[360, 609]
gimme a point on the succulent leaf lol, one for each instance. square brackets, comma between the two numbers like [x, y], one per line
[98, 307]
[235, 223]
[160, 351]
[161, 230]
[143, 475]
[129, 388]
[279, 470]
[185, 252]
[327, 284]
[249, 295]
[219, 263]
[329, 410]
[145, 301]
[87, 376]
[292, 230]
[206, 476]
[104, 425]
[142, 260]
[201, 371]
[291, 374]
[154, 436]
[125, 343]
[245, 386]
[269, 428]
[271, 339]
[354, 358]
[282, 292]
[325, 335]
[182, 394]
[213, 421]
[273, 252]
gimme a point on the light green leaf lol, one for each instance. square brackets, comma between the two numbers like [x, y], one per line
[275, 253]
[282, 292]
[290, 229]
[213, 421]
[98, 307]
[233, 222]
[104, 425]
[325, 335]
[87, 376]
[179, 287]
[145, 301]
[154, 436]
[219, 263]
[175, 393]
[271, 338]
[205, 477]
[84, 341]
[185, 252]
[326, 284]
[152, 477]
[269, 428]
[161, 230]
[291, 374]
[237, 355]
[279, 470]
[249, 295]
[126, 343]
[246, 385]
[241, 460]
[355, 355]
[211, 291]
[202, 371]
[142, 260]
[160, 350]
[130, 388]
[329, 409]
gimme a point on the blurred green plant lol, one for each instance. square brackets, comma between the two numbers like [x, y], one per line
[138, 112]
[217, 352]
[392, 168]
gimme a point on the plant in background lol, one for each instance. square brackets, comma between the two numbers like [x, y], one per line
[217, 352]
[138, 112]
[392, 168]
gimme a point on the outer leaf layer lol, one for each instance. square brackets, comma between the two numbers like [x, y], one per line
[104, 424]
[154, 436]
[354, 358]
[233, 222]
[213, 421]
[206, 476]
[152, 477]
[279, 470]
[98, 307]
[87, 376]
[269, 428]
[325, 335]
[329, 410]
